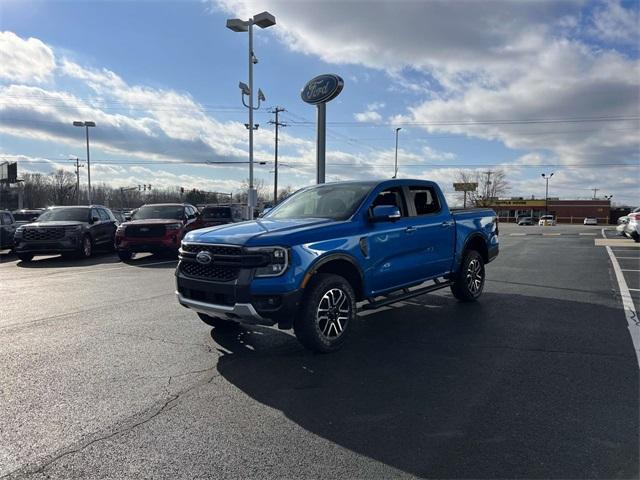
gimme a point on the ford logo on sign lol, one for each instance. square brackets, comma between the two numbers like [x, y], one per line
[322, 88]
[203, 257]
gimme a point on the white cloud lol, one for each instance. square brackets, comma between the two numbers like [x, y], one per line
[371, 114]
[614, 23]
[26, 61]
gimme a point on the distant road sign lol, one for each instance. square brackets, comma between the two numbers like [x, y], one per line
[465, 187]
[9, 172]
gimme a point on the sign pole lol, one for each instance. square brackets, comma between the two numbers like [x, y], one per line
[321, 143]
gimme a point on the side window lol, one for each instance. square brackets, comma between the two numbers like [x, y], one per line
[94, 213]
[104, 215]
[425, 200]
[5, 219]
[393, 197]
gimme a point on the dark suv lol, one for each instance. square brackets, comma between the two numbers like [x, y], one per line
[68, 231]
[212, 215]
[7, 229]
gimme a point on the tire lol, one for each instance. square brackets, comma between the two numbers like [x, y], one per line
[86, 247]
[220, 324]
[636, 237]
[125, 255]
[328, 309]
[469, 281]
[25, 257]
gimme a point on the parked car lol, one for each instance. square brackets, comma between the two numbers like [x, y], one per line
[590, 221]
[526, 221]
[306, 263]
[632, 227]
[27, 216]
[622, 225]
[119, 216]
[156, 228]
[212, 215]
[547, 220]
[70, 231]
[7, 229]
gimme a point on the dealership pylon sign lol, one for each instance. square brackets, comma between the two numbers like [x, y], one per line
[318, 91]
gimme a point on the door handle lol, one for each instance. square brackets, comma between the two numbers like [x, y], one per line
[410, 229]
[448, 223]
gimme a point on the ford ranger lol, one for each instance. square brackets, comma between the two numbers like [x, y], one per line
[330, 250]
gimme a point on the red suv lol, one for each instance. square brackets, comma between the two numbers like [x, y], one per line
[156, 228]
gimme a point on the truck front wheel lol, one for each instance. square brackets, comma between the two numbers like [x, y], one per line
[220, 324]
[327, 311]
[469, 281]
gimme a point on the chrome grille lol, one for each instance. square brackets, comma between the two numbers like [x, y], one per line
[49, 233]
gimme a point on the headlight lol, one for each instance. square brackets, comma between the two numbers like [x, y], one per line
[19, 230]
[121, 229]
[173, 226]
[278, 258]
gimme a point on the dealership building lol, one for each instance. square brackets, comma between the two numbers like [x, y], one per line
[565, 211]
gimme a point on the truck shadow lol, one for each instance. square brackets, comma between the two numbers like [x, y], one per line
[449, 390]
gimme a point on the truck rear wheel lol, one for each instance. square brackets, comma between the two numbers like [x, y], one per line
[469, 281]
[219, 324]
[327, 311]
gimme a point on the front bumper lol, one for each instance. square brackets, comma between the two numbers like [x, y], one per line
[236, 301]
[67, 244]
[152, 244]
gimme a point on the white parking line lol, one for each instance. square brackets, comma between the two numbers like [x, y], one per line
[627, 304]
[517, 234]
[629, 270]
[635, 289]
[628, 258]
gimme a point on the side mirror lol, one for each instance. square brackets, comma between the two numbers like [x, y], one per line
[127, 218]
[264, 212]
[384, 213]
[95, 219]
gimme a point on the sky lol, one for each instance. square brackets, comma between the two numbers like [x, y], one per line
[527, 86]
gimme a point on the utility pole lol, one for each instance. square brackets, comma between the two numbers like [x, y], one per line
[595, 191]
[78, 180]
[277, 124]
[395, 170]
[487, 187]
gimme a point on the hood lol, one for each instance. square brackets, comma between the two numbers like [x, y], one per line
[151, 221]
[246, 232]
[54, 223]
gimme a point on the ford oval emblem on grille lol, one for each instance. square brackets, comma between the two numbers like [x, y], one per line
[204, 257]
[144, 229]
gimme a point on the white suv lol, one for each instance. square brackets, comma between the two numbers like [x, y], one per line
[632, 227]
[547, 220]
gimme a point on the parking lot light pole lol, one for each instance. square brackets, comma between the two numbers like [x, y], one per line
[546, 193]
[263, 20]
[86, 125]
[395, 171]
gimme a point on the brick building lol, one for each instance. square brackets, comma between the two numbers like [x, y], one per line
[565, 211]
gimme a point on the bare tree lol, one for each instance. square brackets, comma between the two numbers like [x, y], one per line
[491, 185]
[63, 185]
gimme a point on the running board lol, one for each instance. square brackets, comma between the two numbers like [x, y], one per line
[390, 299]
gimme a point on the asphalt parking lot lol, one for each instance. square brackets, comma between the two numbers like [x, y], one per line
[103, 374]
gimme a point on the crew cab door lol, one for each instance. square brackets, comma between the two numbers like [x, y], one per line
[434, 229]
[395, 250]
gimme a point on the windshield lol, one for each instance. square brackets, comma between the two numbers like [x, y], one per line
[216, 212]
[547, 217]
[159, 211]
[65, 214]
[335, 201]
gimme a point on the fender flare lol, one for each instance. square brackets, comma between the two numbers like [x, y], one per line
[470, 239]
[323, 260]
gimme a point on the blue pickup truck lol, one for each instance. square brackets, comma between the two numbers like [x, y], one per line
[328, 251]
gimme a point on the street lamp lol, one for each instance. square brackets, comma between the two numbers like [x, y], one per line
[86, 125]
[262, 20]
[546, 194]
[395, 172]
